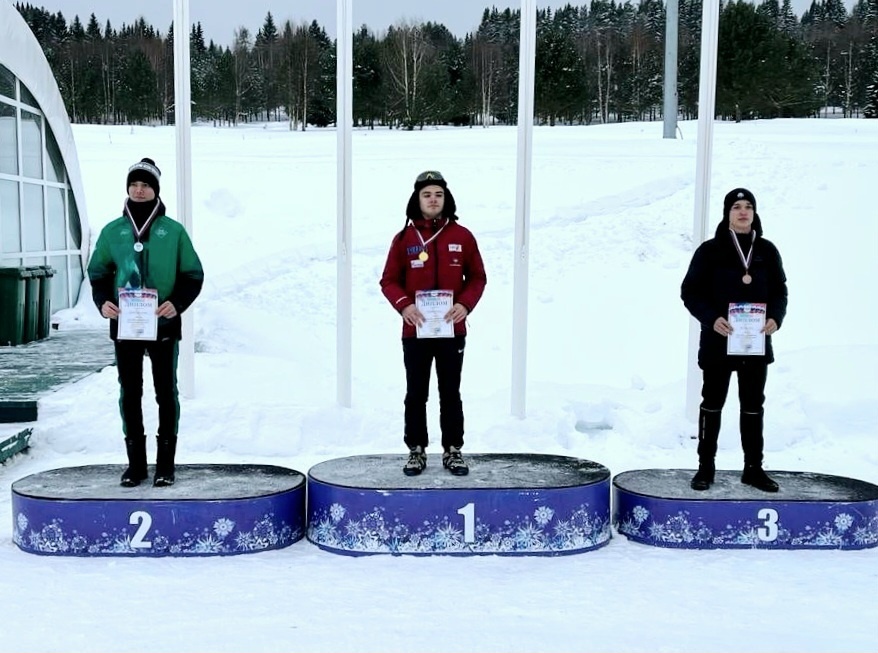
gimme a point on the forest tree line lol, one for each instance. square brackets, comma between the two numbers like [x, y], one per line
[597, 63]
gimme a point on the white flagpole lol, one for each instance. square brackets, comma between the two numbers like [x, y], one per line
[344, 121]
[526, 66]
[183, 128]
[704, 157]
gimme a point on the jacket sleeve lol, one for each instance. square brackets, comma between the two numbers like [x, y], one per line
[777, 289]
[190, 275]
[393, 277]
[694, 291]
[475, 278]
[102, 273]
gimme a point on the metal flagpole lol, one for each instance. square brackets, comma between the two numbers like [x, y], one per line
[183, 128]
[344, 121]
[670, 89]
[526, 65]
[704, 157]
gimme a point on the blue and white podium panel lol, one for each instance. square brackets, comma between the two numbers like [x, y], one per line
[211, 510]
[811, 511]
[509, 504]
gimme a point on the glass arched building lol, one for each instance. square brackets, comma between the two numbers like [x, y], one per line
[42, 205]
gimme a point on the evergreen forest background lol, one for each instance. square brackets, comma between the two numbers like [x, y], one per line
[601, 62]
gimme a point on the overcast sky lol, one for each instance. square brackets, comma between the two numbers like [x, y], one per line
[220, 18]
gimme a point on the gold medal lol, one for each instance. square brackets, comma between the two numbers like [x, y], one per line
[747, 278]
[423, 256]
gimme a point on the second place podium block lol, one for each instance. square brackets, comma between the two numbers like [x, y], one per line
[212, 510]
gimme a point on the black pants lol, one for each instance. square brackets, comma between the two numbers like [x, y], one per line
[751, 385]
[751, 395]
[129, 362]
[418, 356]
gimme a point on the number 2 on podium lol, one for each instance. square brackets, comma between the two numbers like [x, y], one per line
[144, 519]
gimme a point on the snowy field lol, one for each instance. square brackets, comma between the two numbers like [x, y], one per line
[611, 236]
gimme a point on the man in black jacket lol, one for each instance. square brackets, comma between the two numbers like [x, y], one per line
[735, 267]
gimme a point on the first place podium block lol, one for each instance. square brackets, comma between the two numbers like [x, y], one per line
[509, 504]
[811, 511]
[211, 510]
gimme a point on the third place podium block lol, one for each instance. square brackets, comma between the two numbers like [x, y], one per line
[811, 511]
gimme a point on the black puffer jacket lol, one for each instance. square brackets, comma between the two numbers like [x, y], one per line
[714, 280]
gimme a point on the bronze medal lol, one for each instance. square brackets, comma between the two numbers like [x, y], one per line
[744, 259]
[423, 256]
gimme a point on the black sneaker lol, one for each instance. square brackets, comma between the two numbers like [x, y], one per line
[757, 477]
[703, 479]
[453, 461]
[417, 462]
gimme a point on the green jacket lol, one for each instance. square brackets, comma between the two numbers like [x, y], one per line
[168, 263]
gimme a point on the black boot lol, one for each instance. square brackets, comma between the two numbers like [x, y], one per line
[135, 447]
[703, 478]
[709, 422]
[752, 443]
[164, 463]
[754, 475]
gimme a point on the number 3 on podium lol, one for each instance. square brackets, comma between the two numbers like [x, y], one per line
[768, 533]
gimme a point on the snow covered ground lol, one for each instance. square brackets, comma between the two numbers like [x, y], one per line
[611, 236]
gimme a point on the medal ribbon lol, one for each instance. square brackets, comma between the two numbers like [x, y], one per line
[745, 260]
[424, 243]
[139, 232]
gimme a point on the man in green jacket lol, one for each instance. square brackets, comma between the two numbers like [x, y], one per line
[145, 250]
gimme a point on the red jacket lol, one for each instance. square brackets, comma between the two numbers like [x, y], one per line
[454, 263]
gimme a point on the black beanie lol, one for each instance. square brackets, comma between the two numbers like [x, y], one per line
[733, 196]
[430, 178]
[146, 171]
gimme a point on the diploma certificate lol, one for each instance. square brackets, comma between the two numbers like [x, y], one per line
[137, 314]
[747, 337]
[434, 306]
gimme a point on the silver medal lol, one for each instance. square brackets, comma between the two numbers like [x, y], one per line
[138, 247]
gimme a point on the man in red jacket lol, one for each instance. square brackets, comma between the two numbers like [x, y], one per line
[434, 277]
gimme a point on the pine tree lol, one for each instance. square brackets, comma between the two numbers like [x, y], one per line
[136, 94]
[368, 93]
[560, 85]
[789, 24]
[870, 63]
[322, 94]
[267, 52]
[198, 72]
[760, 72]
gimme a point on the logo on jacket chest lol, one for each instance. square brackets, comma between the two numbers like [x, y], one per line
[455, 249]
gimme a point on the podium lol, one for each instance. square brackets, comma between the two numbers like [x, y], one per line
[509, 504]
[811, 511]
[211, 510]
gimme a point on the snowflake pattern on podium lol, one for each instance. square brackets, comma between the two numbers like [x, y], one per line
[544, 531]
[846, 530]
[224, 537]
